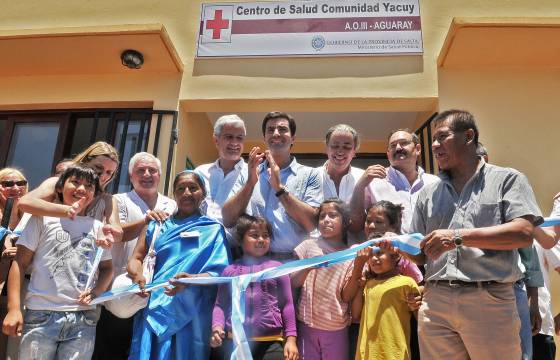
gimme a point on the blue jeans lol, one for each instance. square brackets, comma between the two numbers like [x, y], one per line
[525, 332]
[68, 335]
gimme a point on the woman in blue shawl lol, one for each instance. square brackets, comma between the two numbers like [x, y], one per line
[188, 244]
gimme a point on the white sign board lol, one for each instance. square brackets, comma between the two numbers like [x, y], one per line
[309, 28]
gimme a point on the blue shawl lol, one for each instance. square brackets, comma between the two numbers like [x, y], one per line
[179, 327]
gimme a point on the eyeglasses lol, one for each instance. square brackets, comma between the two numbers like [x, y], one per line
[10, 183]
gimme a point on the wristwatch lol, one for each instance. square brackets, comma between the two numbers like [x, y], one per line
[281, 192]
[457, 238]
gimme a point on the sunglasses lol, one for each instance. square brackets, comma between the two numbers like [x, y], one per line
[10, 183]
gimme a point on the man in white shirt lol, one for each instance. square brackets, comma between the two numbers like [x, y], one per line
[400, 183]
[228, 173]
[136, 209]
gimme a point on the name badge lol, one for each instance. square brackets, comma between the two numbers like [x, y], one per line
[189, 234]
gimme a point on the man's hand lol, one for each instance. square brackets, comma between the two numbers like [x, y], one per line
[155, 215]
[13, 323]
[536, 320]
[372, 172]
[534, 313]
[218, 334]
[437, 242]
[273, 172]
[256, 157]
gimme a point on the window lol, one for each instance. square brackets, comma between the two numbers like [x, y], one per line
[35, 141]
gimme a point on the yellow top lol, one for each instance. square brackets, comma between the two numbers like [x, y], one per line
[385, 323]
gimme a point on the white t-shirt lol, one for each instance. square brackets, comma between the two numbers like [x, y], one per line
[64, 251]
[133, 208]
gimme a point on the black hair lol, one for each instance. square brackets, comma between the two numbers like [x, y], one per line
[279, 115]
[197, 178]
[245, 222]
[80, 172]
[344, 211]
[415, 138]
[459, 120]
[393, 212]
[369, 274]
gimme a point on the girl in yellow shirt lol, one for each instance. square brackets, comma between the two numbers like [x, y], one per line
[385, 315]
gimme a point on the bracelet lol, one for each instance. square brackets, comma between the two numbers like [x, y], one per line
[281, 192]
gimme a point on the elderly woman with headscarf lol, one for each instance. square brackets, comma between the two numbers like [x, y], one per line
[177, 324]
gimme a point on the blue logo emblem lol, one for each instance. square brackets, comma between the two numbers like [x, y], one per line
[318, 42]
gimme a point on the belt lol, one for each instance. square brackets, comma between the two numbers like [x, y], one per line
[278, 337]
[461, 283]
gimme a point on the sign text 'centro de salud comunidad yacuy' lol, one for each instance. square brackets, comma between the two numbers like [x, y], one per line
[309, 28]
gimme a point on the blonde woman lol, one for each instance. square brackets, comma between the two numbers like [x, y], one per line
[104, 160]
[13, 185]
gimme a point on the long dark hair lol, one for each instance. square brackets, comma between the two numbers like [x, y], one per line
[393, 212]
[343, 210]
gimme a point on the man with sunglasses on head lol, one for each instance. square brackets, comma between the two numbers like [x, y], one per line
[474, 220]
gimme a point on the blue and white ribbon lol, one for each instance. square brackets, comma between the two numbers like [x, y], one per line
[409, 243]
[94, 266]
[4, 231]
[550, 221]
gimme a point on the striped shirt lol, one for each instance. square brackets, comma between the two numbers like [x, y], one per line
[320, 304]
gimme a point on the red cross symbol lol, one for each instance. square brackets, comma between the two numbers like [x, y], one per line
[217, 24]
